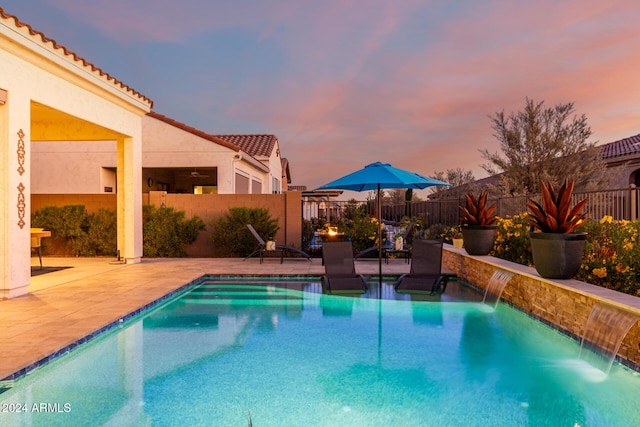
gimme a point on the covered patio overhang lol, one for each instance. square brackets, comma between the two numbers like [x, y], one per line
[49, 93]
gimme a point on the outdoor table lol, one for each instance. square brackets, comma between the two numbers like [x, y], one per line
[404, 253]
[36, 240]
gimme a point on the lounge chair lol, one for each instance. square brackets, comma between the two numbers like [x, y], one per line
[340, 269]
[262, 248]
[426, 272]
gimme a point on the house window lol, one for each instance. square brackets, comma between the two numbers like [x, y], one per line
[275, 186]
[256, 187]
[242, 184]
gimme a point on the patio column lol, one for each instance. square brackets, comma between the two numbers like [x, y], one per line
[129, 179]
[15, 196]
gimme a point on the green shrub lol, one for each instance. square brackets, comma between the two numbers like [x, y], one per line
[67, 224]
[231, 236]
[362, 230]
[102, 234]
[450, 233]
[166, 231]
[512, 239]
[612, 255]
[434, 231]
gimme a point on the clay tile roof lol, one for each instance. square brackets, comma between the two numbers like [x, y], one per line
[72, 55]
[623, 147]
[254, 145]
[194, 131]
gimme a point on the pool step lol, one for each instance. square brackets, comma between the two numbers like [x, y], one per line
[239, 294]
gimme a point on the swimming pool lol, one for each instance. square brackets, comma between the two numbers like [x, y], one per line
[284, 354]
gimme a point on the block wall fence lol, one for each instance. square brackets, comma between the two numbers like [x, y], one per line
[286, 208]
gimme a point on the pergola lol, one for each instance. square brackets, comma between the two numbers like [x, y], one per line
[49, 93]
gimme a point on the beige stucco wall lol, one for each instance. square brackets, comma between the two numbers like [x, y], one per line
[72, 167]
[275, 168]
[622, 175]
[90, 167]
[168, 146]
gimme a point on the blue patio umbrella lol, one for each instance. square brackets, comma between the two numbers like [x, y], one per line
[377, 176]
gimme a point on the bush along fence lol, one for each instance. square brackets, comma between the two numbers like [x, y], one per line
[75, 232]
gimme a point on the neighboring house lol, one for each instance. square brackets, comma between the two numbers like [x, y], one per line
[266, 149]
[623, 161]
[176, 158]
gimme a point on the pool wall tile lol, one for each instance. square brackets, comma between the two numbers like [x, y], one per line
[562, 304]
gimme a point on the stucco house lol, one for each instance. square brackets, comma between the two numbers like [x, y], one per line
[176, 158]
[623, 161]
[49, 93]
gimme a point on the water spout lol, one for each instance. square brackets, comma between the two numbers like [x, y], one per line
[496, 285]
[605, 329]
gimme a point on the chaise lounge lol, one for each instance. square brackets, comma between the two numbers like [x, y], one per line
[426, 272]
[340, 271]
[262, 247]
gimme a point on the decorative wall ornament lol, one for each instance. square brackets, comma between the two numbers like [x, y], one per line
[21, 152]
[22, 205]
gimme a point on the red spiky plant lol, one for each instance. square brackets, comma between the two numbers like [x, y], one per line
[555, 214]
[476, 211]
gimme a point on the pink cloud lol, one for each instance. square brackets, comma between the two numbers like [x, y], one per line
[408, 82]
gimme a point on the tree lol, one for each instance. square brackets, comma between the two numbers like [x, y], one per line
[461, 180]
[543, 144]
[396, 196]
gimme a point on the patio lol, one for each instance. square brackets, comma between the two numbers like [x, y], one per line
[66, 305]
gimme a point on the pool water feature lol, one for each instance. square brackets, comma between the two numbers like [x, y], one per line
[290, 356]
[603, 334]
[497, 282]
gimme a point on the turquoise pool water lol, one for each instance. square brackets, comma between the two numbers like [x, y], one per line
[285, 355]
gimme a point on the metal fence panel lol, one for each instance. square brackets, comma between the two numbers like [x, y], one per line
[621, 204]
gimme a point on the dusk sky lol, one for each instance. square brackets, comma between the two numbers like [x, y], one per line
[346, 83]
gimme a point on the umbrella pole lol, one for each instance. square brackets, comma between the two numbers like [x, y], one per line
[379, 244]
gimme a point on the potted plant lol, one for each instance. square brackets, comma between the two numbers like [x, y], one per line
[453, 235]
[556, 247]
[478, 229]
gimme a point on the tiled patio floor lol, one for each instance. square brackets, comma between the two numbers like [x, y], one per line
[66, 305]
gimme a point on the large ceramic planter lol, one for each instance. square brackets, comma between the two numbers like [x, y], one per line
[557, 255]
[479, 239]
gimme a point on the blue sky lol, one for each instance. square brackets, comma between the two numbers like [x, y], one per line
[346, 83]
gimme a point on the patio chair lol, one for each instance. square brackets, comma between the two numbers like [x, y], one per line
[281, 249]
[340, 270]
[426, 272]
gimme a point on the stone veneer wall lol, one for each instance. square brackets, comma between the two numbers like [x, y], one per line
[564, 304]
